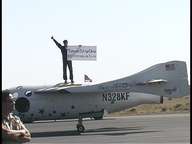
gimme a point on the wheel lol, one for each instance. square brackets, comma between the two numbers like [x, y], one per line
[80, 128]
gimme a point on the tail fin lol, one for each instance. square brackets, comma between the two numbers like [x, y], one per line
[168, 79]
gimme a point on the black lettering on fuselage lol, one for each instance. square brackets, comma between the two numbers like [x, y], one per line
[104, 97]
[115, 96]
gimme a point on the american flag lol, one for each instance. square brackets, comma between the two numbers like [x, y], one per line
[87, 79]
[170, 67]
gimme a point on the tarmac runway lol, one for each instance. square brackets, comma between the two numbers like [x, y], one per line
[169, 128]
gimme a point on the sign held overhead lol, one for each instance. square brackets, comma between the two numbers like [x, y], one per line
[81, 52]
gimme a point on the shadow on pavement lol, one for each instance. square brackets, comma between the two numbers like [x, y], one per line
[111, 131]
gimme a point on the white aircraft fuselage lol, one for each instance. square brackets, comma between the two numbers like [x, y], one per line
[31, 107]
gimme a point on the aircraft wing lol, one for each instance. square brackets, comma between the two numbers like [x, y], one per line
[59, 88]
[152, 82]
[67, 89]
[51, 90]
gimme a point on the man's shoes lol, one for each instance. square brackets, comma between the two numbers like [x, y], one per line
[72, 81]
[65, 82]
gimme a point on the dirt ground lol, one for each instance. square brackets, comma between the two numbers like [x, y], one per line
[174, 105]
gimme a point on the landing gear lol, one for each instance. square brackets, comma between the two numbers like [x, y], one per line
[80, 127]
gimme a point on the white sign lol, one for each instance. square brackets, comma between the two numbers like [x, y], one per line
[81, 52]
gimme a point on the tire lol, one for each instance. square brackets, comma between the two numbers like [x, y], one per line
[80, 128]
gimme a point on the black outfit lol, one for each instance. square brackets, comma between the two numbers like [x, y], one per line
[65, 62]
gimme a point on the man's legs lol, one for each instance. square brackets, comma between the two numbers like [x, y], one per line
[70, 70]
[65, 71]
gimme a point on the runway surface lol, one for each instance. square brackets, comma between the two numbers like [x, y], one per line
[170, 128]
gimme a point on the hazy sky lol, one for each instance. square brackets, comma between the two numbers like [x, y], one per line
[130, 35]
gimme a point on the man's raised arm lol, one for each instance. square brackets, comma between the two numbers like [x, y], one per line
[58, 44]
